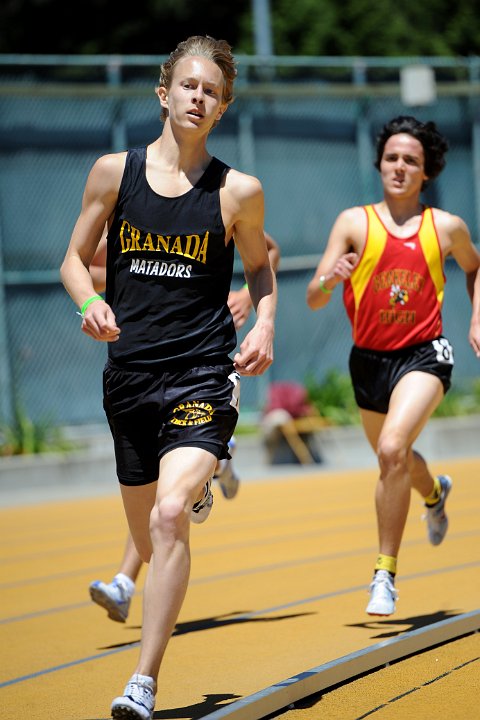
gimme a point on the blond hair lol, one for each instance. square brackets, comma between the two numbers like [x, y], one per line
[218, 51]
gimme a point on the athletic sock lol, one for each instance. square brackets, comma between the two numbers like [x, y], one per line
[436, 493]
[221, 465]
[126, 581]
[388, 563]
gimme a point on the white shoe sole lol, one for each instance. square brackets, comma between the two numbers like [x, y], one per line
[436, 538]
[379, 610]
[230, 487]
[101, 598]
[199, 516]
[125, 709]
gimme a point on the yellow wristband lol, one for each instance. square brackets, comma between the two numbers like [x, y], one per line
[321, 285]
[89, 302]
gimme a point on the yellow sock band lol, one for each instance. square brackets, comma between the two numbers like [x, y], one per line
[435, 494]
[386, 562]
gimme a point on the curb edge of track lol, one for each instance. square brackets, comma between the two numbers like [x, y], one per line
[284, 693]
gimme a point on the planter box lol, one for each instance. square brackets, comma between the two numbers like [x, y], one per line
[33, 478]
[37, 478]
[442, 438]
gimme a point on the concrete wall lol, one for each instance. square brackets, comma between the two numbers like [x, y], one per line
[91, 472]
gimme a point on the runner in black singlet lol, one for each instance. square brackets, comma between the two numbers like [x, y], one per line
[171, 388]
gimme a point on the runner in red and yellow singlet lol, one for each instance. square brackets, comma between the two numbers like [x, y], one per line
[390, 257]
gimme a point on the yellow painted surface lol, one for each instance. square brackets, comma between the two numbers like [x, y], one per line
[278, 586]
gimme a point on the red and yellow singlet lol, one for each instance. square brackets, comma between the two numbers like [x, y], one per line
[395, 294]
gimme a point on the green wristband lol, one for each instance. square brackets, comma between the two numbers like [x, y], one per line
[245, 287]
[321, 285]
[89, 302]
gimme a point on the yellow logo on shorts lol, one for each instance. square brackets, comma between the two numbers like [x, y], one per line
[192, 413]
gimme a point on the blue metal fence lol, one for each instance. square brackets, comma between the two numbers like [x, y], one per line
[308, 134]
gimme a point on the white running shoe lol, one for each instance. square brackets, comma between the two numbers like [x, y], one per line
[227, 479]
[226, 476]
[201, 509]
[115, 597]
[437, 521]
[138, 700]
[382, 594]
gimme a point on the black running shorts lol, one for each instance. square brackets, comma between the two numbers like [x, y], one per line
[374, 374]
[150, 413]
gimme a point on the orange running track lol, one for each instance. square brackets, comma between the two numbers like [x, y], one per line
[278, 586]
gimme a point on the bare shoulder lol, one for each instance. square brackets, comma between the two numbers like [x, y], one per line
[242, 202]
[352, 216]
[448, 222]
[454, 237]
[351, 224]
[111, 165]
[241, 185]
[104, 179]
[348, 234]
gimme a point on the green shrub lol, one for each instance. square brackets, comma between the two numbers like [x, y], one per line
[334, 398]
[460, 401]
[24, 437]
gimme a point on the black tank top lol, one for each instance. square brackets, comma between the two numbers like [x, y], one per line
[169, 272]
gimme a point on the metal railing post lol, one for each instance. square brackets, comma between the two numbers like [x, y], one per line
[6, 389]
